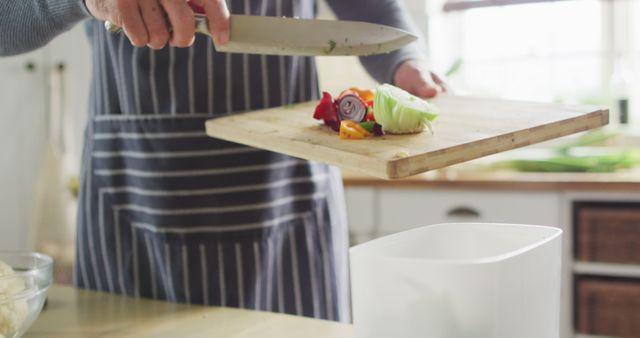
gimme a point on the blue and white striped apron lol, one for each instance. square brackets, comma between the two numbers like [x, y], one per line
[167, 212]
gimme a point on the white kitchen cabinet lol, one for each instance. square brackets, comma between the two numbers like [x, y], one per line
[375, 211]
[608, 211]
[378, 210]
[403, 209]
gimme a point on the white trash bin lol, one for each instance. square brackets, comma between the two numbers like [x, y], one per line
[462, 280]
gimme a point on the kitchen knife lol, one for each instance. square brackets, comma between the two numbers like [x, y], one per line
[308, 37]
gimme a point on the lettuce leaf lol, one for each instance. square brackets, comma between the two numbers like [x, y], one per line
[399, 112]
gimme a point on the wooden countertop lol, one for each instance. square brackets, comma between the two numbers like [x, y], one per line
[80, 313]
[470, 176]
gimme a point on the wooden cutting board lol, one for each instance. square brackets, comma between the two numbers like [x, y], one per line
[467, 128]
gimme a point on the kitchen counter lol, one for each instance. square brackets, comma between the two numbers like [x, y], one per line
[79, 313]
[469, 176]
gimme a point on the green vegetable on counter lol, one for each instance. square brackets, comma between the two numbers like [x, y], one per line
[591, 138]
[567, 163]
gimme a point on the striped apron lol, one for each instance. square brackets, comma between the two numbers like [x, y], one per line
[166, 212]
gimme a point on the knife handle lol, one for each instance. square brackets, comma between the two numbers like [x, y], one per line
[202, 25]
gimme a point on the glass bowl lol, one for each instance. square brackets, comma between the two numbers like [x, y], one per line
[23, 292]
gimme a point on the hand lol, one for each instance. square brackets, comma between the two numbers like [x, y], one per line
[414, 77]
[147, 22]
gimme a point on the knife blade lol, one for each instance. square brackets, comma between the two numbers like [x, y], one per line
[305, 37]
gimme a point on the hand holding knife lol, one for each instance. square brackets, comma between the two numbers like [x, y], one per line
[290, 36]
[155, 23]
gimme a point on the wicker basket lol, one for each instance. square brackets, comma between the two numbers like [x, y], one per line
[608, 232]
[608, 307]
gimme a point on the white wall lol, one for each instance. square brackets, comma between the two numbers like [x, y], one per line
[24, 127]
[22, 138]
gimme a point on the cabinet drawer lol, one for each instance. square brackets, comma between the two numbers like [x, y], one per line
[402, 209]
[607, 232]
[607, 307]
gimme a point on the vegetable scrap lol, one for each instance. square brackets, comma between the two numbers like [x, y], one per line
[332, 46]
[351, 106]
[326, 110]
[400, 112]
[352, 130]
[357, 114]
[350, 114]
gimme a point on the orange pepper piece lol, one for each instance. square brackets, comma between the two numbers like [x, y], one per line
[365, 95]
[361, 130]
[352, 130]
[348, 131]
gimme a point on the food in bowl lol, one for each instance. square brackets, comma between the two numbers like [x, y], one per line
[13, 308]
[24, 281]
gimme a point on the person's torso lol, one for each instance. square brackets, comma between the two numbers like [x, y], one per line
[167, 212]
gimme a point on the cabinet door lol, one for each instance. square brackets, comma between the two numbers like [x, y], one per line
[402, 209]
[22, 141]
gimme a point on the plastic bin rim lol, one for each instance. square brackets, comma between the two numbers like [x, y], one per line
[362, 249]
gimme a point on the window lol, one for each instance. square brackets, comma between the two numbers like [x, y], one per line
[575, 51]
